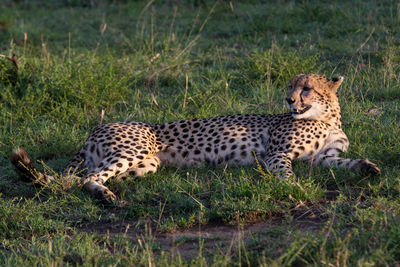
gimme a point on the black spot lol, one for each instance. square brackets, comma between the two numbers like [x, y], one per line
[208, 149]
[141, 166]
[196, 152]
[119, 165]
[185, 153]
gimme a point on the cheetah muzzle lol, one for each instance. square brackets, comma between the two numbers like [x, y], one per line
[297, 111]
[312, 131]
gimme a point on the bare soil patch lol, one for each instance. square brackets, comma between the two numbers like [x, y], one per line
[216, 235]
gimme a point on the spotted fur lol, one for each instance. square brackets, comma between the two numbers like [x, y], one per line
[312, 131]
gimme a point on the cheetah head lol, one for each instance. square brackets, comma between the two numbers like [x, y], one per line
[313, 97]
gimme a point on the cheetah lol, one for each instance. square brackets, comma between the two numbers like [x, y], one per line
[311, 131]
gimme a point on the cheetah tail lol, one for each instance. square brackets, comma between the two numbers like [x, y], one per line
[25, 169]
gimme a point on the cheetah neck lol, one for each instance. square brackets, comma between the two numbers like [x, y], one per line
[333, 116]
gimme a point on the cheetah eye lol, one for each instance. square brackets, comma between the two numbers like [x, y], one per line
[306, 88]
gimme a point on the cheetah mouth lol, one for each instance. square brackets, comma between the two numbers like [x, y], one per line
[297, 111]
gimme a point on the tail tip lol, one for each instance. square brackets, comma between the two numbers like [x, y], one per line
[18, 156]
[23, 164]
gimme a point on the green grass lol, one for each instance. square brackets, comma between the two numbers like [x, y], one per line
[129, 60]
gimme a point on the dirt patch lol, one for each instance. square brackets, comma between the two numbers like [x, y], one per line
[213, 236]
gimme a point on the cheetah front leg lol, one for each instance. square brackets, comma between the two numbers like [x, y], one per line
[280, 164]
[330, 157]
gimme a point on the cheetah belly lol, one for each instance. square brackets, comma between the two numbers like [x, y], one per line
[238, 153]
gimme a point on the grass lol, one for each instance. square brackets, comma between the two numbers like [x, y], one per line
[82, 63]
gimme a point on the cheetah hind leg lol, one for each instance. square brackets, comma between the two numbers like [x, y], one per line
[148, 165]
[94, 182]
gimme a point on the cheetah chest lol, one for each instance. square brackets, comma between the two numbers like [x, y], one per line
[301, 139]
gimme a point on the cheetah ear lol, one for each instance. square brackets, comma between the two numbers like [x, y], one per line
[334, 83]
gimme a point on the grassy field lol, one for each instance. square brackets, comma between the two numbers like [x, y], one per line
[82, 63]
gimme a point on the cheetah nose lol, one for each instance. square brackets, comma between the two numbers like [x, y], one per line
[290, 100]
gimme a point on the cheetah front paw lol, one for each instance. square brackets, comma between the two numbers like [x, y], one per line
[367, 167]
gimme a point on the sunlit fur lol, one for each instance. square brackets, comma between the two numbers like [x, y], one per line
[311, 132]
[317, 93]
